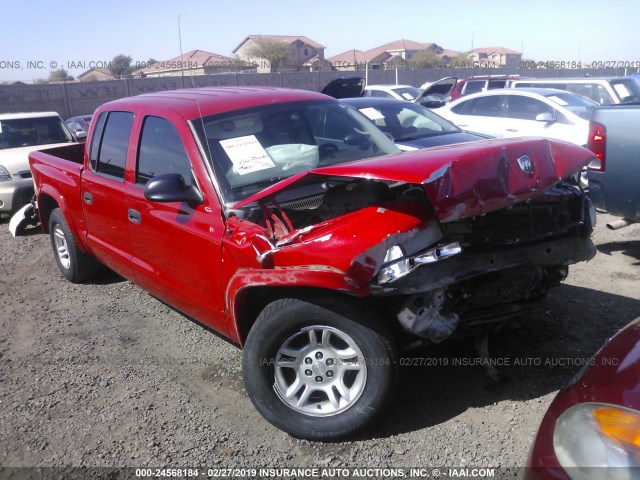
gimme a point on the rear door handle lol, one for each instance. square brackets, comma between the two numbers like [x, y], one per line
[88, 198]
[511, 129]
[134, 216]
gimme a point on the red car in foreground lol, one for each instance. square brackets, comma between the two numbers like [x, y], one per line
[290, 224]
[592, 428]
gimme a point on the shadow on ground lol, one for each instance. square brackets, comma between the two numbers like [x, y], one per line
[540, 353]
[629, 248]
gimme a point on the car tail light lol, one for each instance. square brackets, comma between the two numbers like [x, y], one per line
[597, 143]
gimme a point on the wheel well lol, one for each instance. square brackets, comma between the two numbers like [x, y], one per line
[46, 205]
[250, 302]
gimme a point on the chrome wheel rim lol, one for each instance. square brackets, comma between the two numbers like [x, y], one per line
[320, 371]
[62, 250]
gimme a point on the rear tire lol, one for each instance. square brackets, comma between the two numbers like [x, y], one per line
[319, 369]
[74, 264]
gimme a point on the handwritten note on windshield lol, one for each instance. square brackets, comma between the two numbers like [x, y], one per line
[246, 154]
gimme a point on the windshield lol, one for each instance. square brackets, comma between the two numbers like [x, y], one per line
[27, 132]
[408, 93]
[407, 121]
[254, 148]
[627, 89]
[576, 104]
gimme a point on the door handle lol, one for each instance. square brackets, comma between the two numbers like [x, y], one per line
[88, 198]
[511, 129]
[134, 216]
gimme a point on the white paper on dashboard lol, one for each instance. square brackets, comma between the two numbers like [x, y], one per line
[371, 113]
[246, 154]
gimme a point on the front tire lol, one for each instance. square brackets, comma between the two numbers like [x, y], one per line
[320, 370]
[74, 264]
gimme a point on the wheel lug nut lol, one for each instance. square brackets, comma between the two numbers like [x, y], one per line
[308, 373]
[319, 355]
[329, 362]
[308, 361]
[330, 373]
[319, 379]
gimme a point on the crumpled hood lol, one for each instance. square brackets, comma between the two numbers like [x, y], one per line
[462, 180]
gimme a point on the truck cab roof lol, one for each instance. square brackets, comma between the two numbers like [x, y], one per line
[193, 103]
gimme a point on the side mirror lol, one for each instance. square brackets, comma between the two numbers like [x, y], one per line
[545, 117]
[80, 134]
[170, 187]
[358, 139]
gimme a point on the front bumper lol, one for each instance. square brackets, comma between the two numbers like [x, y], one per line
[15, 193]
[472, 263]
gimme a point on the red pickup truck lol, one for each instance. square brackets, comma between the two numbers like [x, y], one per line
[288, 223]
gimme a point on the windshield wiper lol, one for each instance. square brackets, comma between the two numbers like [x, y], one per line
[260, 184]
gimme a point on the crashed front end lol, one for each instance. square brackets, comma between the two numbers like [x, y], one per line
[445, 241]
[484, 269]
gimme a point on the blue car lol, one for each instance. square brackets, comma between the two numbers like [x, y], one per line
[410, 125]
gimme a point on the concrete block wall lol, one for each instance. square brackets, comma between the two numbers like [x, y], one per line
[80, 98]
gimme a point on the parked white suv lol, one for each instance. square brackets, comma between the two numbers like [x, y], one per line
[20, 134]
[605, 90]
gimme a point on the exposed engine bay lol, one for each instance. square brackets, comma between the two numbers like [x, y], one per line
[329, 199]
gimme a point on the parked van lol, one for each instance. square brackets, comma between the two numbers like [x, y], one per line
[605, 91]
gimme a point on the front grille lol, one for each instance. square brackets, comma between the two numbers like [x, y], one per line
[25, 174]
[550, 215]
[304, 204]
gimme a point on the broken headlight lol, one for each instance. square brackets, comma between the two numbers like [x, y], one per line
[397, 265]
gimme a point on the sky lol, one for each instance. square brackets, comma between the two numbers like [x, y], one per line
[76, 34]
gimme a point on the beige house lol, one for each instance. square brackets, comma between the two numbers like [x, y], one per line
[396, 54]
[495, 57]
[95, 74]
[308, 55]
[195, 62]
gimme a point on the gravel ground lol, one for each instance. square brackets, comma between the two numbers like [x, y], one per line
[104, 375]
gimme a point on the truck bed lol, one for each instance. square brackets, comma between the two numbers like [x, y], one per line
[56, 174]
[616, 188]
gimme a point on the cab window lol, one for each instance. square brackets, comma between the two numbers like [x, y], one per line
[110, 143]
[161, 151]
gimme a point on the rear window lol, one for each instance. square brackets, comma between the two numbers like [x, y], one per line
[591, 89]
[581, 106]
[627, 89]
[379, 94]
[408, 93]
